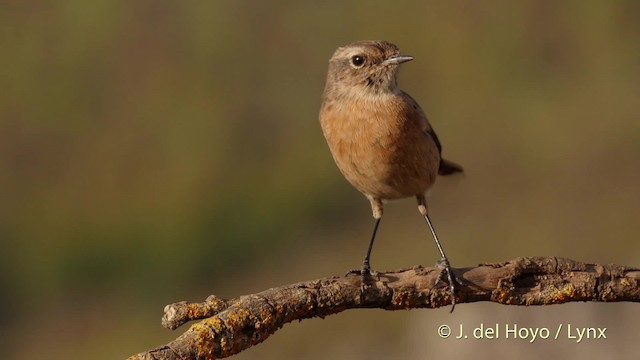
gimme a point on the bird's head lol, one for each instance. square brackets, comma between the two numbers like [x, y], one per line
[364, 68]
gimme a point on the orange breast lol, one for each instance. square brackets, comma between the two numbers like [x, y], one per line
[380, 147]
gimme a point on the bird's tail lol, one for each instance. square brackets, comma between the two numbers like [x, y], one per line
[448, 167]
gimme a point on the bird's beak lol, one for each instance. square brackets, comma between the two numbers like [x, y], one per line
[397, 59]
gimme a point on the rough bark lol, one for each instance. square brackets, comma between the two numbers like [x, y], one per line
[231, 326]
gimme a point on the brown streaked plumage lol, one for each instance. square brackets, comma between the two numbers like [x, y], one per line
[379, 136]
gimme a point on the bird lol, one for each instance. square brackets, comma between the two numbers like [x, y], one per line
[380, 138]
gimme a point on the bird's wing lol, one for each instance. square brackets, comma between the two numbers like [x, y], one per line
[446, 167]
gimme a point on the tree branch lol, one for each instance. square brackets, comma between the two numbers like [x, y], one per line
[231, 326]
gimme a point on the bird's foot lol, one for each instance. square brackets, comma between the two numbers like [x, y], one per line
[365, 271]
[447, 274]
[366, 276]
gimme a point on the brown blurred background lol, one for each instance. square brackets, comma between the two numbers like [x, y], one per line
[152, 152]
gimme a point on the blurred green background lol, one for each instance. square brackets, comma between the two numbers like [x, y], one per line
[152, 152]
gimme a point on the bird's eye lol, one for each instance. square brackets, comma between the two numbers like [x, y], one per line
[357, 60]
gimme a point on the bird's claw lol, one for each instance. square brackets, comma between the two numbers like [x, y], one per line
[447, 274]
[366, 275]
[365, 271]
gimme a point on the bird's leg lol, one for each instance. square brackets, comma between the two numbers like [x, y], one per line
[366, 266]
[443, 264]
[365, 270]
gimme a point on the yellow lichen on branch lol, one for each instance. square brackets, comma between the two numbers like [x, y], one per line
[231, 326]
